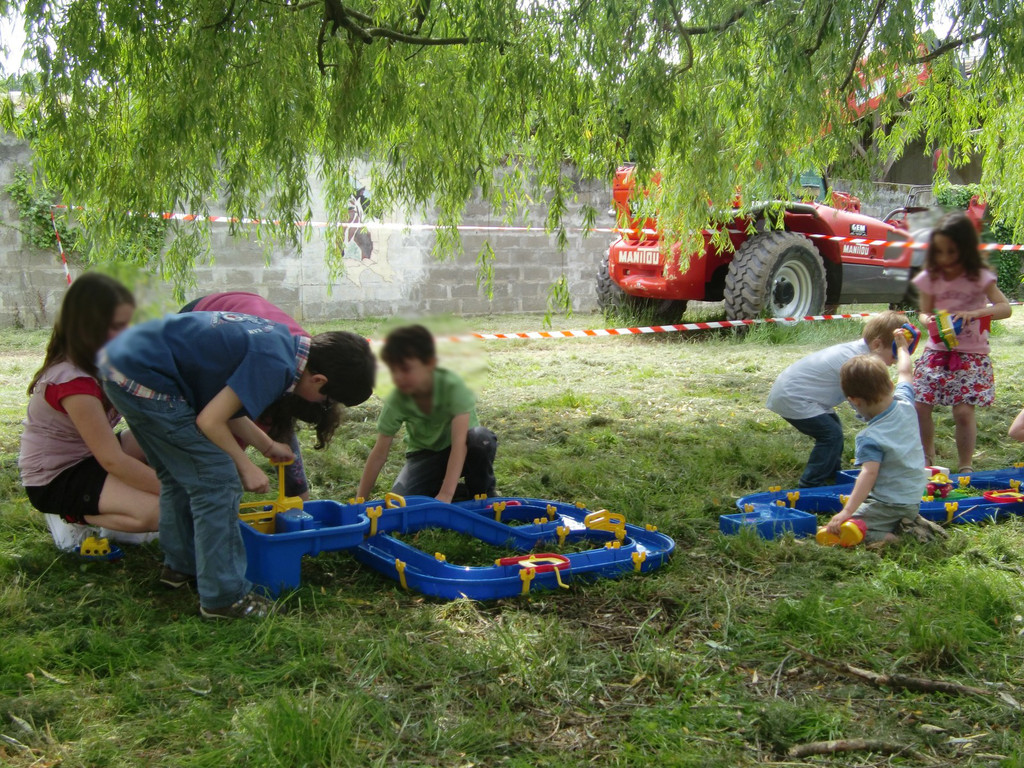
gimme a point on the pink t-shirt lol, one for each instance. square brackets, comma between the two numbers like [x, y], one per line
[958, 295]
[50, 443]
[248, 304]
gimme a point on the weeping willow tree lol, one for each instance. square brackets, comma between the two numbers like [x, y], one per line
[238, 104]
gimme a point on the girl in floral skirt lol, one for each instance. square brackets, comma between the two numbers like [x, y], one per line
[956, 279]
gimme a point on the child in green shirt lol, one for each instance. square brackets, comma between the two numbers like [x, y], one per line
[444, 439]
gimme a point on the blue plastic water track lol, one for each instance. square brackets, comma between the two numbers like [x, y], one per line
[774, 511]
[276, 543]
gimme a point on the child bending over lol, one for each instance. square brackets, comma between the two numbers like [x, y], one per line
[444, 439]
[807, 392]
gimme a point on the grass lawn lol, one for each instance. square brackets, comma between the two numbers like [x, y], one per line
[731, 655]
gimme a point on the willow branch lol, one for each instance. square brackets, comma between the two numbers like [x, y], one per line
[860, 47]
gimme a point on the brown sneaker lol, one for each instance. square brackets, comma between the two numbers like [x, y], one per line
[175, 579]
[252, 606]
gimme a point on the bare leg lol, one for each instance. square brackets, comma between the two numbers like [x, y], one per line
[124, 508]
[927, 428]
[966, 433]
[131, 446]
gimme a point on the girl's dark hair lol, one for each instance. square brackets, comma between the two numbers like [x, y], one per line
[83, 323]
[279, 419]
[961, 230]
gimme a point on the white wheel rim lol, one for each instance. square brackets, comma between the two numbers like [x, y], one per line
[792, 290]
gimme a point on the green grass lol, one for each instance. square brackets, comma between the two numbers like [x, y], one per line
[689, 665]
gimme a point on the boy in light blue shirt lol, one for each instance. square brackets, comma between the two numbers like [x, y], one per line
[886, 497]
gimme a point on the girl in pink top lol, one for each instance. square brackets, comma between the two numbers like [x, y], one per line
[955, 278]
[75, 469]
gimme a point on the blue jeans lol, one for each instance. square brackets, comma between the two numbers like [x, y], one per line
[199, 496]
[424, 471]
[826, 457]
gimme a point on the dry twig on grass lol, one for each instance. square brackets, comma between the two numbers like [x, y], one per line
[855, 745]
[921, 684]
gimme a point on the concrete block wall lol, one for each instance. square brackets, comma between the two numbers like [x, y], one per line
[401, 278]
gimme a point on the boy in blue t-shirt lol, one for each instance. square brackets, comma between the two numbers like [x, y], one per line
[189, 384]
[444, 439]
[886, 497]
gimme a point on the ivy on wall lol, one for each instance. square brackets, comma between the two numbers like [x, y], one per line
[37, 226]
[34, 213]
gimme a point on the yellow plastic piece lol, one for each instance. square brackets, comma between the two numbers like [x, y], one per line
[562, 531]
[539, 520]
[400, 567]
[951, 508]
[793, 497]
[748, 508]
[780, 503]
[849, 535]
[356, 500]
[498, 507]
[649, 527]
[440, 556]
[774, 488]
[638, 560]
[526, 575]
[94, 546]
[393, 500]
[927, 498]
[603, 520]
[613, 544]
[580, 505]
[1018, 465]
[947, 332]
[480, 497]
[552, 510]
[843, 498]
[262, 518]
[1015, 485]
[374, 513]
[965, 481]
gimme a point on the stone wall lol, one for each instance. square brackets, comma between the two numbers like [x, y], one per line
[400, 277]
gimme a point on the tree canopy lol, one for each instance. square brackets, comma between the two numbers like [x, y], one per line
[157, 105]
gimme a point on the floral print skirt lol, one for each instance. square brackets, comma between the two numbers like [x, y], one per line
[952, 378]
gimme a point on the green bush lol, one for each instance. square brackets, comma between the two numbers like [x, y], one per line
[1007, 265]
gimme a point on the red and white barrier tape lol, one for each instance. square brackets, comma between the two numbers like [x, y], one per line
[645, 329]
[60, 247]
[383, 226]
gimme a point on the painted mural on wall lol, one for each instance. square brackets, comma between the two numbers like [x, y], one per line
[364, 249]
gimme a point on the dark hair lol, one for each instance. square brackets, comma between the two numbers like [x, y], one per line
[279, 419]
[406, 343]
[347, 362]
[961, 230]
[866, 377]
[83, 323]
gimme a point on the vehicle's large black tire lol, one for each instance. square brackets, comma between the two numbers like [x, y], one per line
[775, 274]
[614, 301]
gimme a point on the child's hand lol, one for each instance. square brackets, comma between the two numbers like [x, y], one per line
[253, 478]
[900, 336]
[837, 520]
[278, 452]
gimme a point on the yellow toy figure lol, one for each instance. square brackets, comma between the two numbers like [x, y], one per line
[947, 329]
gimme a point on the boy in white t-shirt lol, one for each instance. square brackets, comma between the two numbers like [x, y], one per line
[807, 392]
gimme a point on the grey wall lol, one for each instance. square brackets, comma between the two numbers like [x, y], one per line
[401, 278]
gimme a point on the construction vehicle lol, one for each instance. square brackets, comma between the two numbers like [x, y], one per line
[788, 259]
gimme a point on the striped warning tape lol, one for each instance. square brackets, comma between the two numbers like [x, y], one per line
[385, 226]
[645, 329]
